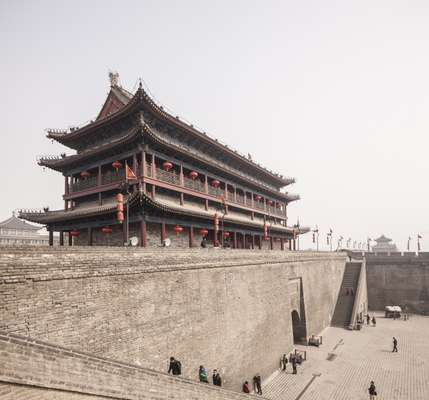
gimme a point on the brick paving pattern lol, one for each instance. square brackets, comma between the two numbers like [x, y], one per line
[359, 357]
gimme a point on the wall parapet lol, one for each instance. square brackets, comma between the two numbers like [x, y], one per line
[30, 362]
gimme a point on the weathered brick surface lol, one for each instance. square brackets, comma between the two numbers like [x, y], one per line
[58, 373]
[225, 309]
[398, 281]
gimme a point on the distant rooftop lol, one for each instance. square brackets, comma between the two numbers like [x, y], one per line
[15, 223]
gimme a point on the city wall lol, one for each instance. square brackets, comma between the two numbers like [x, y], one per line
[398, 279]
[225, 309]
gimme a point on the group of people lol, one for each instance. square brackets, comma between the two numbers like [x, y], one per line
[175, 368]
[257, 385]
[293, 359]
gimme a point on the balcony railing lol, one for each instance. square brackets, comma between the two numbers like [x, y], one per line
[194, 184]
[230, 196]
[240, 199]
[216, 191]
[84, 184]
[258, 205]
[170, 177]
[113, 176]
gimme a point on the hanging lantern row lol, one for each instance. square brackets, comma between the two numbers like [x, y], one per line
[167, 166]
[74, 233]
[226, 234]
[85, 174]
[107, 229]
[258, 198]
[270, 202]
[193, 174]
[204, 232]
[215, 183]
[178, 229]
[116, 165]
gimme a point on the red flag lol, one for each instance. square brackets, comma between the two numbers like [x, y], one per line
[129, 174]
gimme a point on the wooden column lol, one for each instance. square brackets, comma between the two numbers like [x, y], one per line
[206, 184]
[294, 244]
[61, 238]
[153, 167]
[206, 205]
[51, 238]
[99, 176]
[66, 192]
[282, 244]
[253, 242]
[226, 191]
[260, 242]
[271, 243]
[124, 232]
[181, 177]
[191, 236]
[89, 236]
[235, 194]
[162, 232]
[144, 171]
[234, 240]
[70, 239]
[143, 234]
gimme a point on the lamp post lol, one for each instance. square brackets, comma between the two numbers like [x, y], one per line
[316, 237]
[329, 238]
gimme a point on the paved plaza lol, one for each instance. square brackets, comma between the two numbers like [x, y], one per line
[344, 365]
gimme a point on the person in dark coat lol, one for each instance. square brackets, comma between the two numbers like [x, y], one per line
[175, 366]
[284, 362]
[368, 319]
[246, 388]
[395, 345]
[257, 384]
[374, 322]
[294, 365]
[217, 380]
[204, 242]
[372, 391]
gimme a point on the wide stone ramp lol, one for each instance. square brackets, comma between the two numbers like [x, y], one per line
[346, 297]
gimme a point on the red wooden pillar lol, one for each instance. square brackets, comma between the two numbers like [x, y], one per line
[61, 238]
[191, 236]
[271, 243]
[143, 234]
[282, 244]
[70, 240]
[66, 191]
[294, 244]
[89, 236]
[182, 183]
[234, 243]
[162, 232]
[260, 242]
[51, 238]
[253, 242]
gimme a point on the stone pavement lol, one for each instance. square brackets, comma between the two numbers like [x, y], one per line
[356, 358]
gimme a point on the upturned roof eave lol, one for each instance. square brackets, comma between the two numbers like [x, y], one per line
[142, 97]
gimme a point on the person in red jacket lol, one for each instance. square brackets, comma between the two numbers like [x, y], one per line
[246, 388]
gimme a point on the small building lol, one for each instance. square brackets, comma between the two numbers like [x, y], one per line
[15, 232]
[384, 245]
[177, 186]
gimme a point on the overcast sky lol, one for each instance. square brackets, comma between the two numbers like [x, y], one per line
[333, 93]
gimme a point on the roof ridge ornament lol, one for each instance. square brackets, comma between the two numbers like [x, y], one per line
[114, 79]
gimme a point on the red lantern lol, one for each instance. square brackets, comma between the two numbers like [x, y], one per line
[193, 174]
[178, 229]
[106, 229]
[204, 232]
[270, 202]
[167, 166]
[116, 165]
[74, 233]
[215, 183]
[258, 198]
[85, 174]
[226, 234]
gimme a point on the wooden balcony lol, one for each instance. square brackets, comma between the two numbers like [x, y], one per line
[113, 177]
[84, 184]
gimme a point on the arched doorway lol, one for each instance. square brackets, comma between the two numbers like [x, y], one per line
[298, 328]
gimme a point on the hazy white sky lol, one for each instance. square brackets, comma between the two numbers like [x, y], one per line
[334, 93]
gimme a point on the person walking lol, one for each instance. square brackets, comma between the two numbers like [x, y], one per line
[395, 345]
[217, 380]
[257, 384]
[175, 366]
[294, 371]
[374, 322]
[202, 373]
[246, 388]
[368, 319]
[284, 362]
[372, 391]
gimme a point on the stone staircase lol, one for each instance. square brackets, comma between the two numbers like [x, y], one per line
[346, 297]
